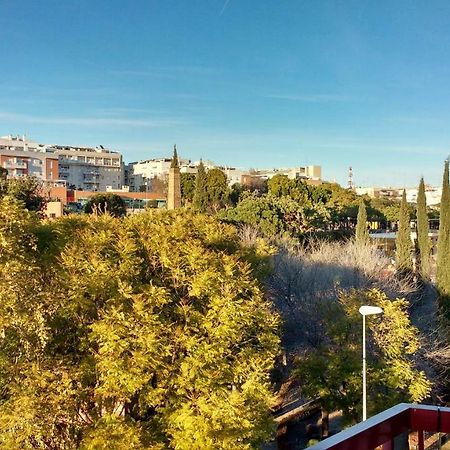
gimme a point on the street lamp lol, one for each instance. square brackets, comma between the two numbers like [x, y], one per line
[366, 311]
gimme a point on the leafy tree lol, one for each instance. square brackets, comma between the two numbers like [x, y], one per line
[3, 173]
[362, 233]
[27, 189]
[187, 181]
[423, 240]
[235, 193]
[217, 188]
[403, 244]
[174, 162]
[275, 216]
[443, 245]
[106, 203]
[159, 185]
[255, 184]
[147, 332]
[201, 193]
[333, 372]
[282, 186]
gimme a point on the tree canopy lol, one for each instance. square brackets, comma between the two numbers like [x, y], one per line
[27, 190]
[403, 243]
[200, 193]
[146, 332]
[362, 233]
[423, 240]
[333, 371]
[106, 203]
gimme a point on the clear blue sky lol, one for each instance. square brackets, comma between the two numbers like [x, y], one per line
[251, 83]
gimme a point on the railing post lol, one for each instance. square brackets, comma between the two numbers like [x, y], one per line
[420, 440]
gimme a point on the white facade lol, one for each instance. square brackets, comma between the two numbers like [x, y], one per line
[432, 194]
[89, 169]
[86, 168]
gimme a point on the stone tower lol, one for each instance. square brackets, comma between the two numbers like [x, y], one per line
[174, 188]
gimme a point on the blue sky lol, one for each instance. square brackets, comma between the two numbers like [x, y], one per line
[251, 83]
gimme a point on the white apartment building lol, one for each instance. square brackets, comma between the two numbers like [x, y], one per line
[432, 194]
[138, 175]
[85, 168]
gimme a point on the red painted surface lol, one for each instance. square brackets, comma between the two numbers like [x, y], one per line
[384, 427]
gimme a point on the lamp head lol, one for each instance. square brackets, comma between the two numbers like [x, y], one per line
[366, 310]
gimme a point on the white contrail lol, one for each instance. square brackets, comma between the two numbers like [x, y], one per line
[224, 7]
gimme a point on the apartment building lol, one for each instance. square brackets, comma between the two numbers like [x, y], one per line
[306, 172]
[86, 168]
[138, 175]
[24, 158]
[432, 194]
[89, 169]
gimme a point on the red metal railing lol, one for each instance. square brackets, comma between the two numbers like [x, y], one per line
[384, 428]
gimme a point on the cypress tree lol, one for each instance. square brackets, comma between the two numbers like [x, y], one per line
[403, 244]
[423, 240]
[362, 233]
[201, 193]
[174, 162]
[443, 246]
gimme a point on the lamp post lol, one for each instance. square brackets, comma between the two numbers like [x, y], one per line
[366, 311]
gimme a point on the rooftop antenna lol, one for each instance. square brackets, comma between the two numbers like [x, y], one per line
[350, 184]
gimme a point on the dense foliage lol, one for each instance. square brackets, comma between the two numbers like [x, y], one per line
[187, 183]
[27, 190]
[148, 332]
[443, 245]
[106, 203]
[333, 371]
[200, 193]
[362, 233]
[403, 243]
[423, 240]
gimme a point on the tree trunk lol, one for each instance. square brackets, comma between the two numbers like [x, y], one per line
[325, 419]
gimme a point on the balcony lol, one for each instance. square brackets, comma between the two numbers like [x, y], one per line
[14, 165]
[386, 429]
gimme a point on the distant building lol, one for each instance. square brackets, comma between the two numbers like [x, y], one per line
[22, 158]
[84, 168]
[138, 175]
[305, 172]
[432, 194]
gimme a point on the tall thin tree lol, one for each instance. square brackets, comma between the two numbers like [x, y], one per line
[423, 240]
[443, 246]
[403, 243]
[362, 233]
[201, 193]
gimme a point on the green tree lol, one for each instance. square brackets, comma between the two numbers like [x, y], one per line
[201, 193]
[423, 240]
[362, 233]
[235, 193]
[282, 186]
[403, 243]
[276, 216]
[443, 245]
[106, 203]
[147, 332]
[217, 188]
[187, 181]
[28, 190]
[3, 173]
[333, 372]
